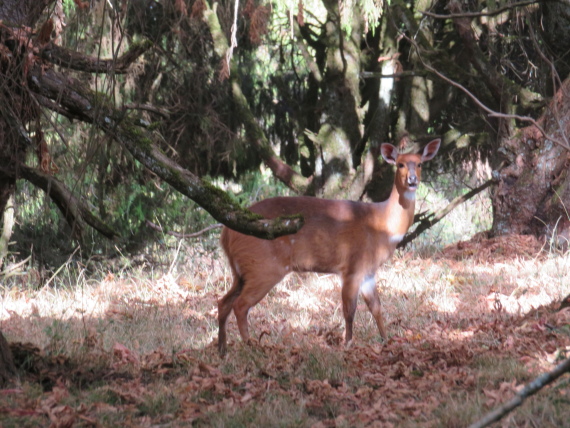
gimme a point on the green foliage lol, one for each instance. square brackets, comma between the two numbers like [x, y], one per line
[57, 334]
[274, 411]
[68, 6]
[323, 365]
[257, 186]
[160, 403]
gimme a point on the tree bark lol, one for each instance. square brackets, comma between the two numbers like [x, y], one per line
[533, 195]
[339, 139]
[76, 61]
[16, 110]
[7, 367]
[71, 98]
[7, 226]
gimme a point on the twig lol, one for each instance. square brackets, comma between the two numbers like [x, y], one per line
[73, 209]
[530, 389]
[434, 218]
[11, 270]
[182, 235]
[148, 107]
[61, 267]
[478, 14]
[78, 61]
[492, 113]
[379, 75]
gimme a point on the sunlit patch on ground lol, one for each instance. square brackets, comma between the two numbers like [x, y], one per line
[470, 325]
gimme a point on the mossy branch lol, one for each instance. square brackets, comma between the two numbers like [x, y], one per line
[74, 211]
[78, 61]
[93, 108]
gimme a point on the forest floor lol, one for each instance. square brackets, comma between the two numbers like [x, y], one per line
[136, 346]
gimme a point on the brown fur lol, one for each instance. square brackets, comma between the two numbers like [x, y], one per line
[348, 238]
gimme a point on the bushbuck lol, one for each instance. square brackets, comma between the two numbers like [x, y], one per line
[351, 239]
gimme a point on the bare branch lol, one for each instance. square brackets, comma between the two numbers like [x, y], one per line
[379, 75]
[530, 389]
[309, 59]
[148, 107]
[256, 135]
[479, 14]
[75, 212]
[492, 113]
[434, 218]
[78, 61]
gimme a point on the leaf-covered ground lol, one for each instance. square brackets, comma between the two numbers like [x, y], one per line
[469, 326]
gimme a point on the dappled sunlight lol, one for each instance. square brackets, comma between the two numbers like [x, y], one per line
[517, 305]
[151, 308]
[301, 321]
[445, 318]
[63, 304]
[308, 293]
[445, 303]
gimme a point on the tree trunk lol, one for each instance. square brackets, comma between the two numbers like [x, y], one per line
[533, 195]
[7, 367]
[7, 227]
[16, 110]
[338, 141]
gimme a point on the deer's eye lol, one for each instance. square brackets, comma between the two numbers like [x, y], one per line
[419, 165]
[400, 165]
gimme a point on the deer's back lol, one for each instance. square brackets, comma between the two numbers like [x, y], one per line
[336, 236]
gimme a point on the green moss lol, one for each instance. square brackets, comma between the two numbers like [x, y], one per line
[154, 125]
[214, 200]
[101, 100]
[141, 45]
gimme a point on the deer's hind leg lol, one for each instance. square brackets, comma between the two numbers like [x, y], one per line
[350, 289]
[255, 287]
[225, 305]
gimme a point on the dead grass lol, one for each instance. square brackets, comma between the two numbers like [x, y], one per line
[468, 327]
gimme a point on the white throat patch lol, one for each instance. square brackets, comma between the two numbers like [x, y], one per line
[395, 239]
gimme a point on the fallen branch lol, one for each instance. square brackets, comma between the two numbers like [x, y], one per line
[182, 235]
[434, 218]
[530, 389]
[13, 269]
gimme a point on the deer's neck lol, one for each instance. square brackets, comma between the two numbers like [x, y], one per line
[397, 213]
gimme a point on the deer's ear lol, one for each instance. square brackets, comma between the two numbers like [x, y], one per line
[431, 150]
[389, 153]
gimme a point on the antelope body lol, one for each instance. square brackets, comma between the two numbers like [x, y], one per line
[348, 238]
